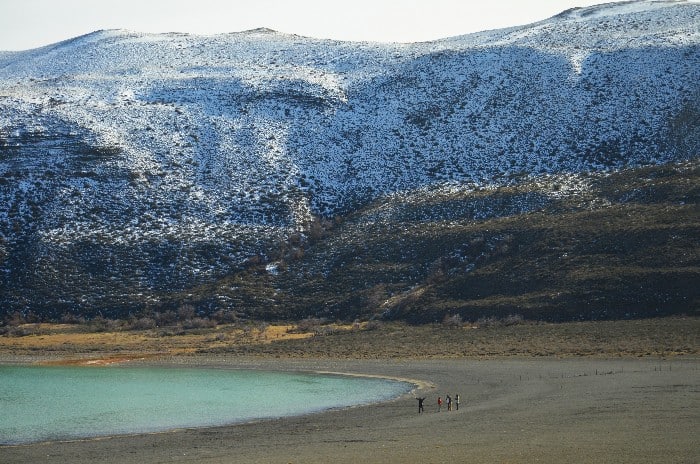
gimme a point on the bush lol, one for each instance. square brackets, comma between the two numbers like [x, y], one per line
[374, 325]
[198, 323]
[511, 319]
[70, 318]
[15, 331]
[310, 324]
[224, 316]
[143, 323]
[98, 324]
[186, 312]
[165, 318]
[452, 321]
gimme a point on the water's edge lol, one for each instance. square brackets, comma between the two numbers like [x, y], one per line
[409, 387]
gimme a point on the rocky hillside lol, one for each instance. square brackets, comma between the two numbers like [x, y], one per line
[145, 172]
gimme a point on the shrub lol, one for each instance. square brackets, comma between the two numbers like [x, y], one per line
[70, 318]
[310, 324]
[165, 318]
[511, 319]
[143, 323]
[198, 323]
[15, 331]
[374, 325]
[98, 324]
[223, 316]
[185, 312]
[452, 321]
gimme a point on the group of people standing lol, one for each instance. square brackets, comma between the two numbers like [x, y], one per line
[448, 399]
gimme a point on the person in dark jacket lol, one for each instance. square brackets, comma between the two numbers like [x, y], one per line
[420, 404]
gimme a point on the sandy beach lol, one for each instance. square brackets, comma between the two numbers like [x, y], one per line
[512, 410]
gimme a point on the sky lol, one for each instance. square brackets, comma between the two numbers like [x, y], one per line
[28, 24]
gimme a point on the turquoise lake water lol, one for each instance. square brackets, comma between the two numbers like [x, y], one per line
[59, 403]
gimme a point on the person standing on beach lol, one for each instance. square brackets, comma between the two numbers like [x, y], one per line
[457, 402]
[439, 403]
[449, 403]
[420, 404]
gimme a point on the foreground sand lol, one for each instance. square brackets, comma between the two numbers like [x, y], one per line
[512, 410]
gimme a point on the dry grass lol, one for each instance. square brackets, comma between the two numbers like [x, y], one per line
[648, 337]
[68, 340]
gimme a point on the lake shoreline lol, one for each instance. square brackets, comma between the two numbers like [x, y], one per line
[513, 409]
[212, 396]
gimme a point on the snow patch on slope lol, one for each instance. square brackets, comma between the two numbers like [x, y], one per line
[200, 151]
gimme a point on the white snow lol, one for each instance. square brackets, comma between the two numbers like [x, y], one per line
[254, 132]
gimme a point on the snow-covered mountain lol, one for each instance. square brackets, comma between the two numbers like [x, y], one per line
[133, 164]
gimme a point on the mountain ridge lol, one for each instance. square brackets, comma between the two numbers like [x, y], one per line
[134, 164]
